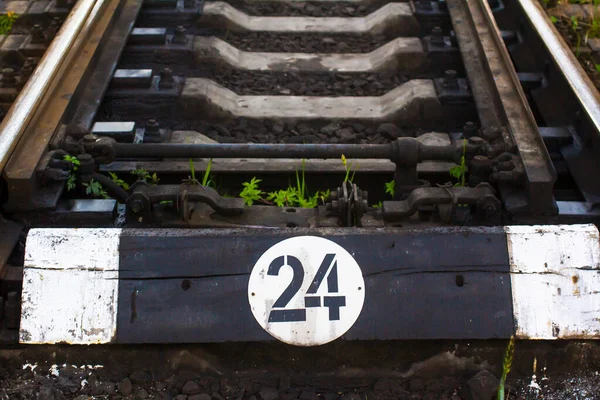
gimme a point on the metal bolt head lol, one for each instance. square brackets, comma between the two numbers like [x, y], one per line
[469, 129]
[90, 138]
[437, 36]
[476, 140]
[450, 79]
[152, 127]
[179, 37]
[136, 206]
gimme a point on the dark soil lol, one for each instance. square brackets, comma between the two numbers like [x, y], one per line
[304, 43]
[575, 39]
[298, 84]
[307, 9]
[185, 376]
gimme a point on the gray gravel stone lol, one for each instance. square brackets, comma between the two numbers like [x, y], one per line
[482, 386]
[190, 387]
[125, 387]
[268, 393]
[141, 394]
[140, 376]
[202, 396]
[389, 130]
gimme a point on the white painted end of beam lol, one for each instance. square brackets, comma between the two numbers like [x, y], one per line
[397, 103]
[70, 286]
[403, 54]
[390, 16]
[555, 277]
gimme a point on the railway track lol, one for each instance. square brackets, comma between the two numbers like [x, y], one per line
[165, 162]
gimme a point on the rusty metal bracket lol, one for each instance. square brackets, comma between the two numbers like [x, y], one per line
[348, 203]
[482, 197]
[144, 196]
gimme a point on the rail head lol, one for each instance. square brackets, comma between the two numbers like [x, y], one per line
[578, 80]
[30, 97]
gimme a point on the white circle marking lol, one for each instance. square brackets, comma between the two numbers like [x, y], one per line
[311, 310]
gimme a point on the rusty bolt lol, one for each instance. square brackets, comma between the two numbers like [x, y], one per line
[488, 206]
[476, 140]
[470, 129]
[152, 128]
[179, 37]
[136, 206]
[166, 78]
[8, 77]
[90, 138]
[335, 205]
[37, 34]
[450, 79]
[437, 36]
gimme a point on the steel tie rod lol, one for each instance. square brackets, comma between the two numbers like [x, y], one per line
[402, 151]
[26, 104]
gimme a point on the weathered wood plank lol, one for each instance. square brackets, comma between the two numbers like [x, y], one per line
[555, 274]
[70, 286]
[191, 286]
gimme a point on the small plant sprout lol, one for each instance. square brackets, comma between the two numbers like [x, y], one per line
[390, 188]
[506, 366]
[145, 176]
[6, 22]
[118, 181]
[348, 169]
[284, 198]
[553, 19]
[251, 192]
[575, 27]
[206, 181]
[460, 171]
[95, 188]
[206, 178]
[72, 179]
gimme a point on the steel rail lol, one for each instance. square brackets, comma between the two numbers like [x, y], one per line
[30, 97]
[578, 80]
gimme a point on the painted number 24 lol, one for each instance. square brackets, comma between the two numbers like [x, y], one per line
[328, 269]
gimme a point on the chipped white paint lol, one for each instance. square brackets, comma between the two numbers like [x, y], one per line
[393, 16]
[295, 261]
[70, 286]
[555, 277]
[402, 103]
[400, 54]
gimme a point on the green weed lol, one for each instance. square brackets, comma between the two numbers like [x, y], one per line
[95, 188]
[72, 179]
[506, 366]
[390, 188]
[118, 181]
[348, 169]
[460, 171]
[145, 176]
[206, 181]
[575, 27]
[251, 192]
[6, 22]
